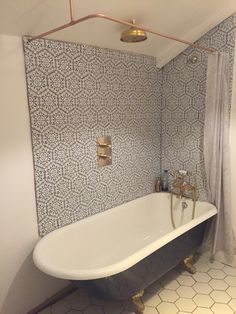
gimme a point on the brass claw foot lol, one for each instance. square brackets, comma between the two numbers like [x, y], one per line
[188, 264]
[137, 300]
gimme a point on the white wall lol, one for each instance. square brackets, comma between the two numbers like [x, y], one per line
[22, 286]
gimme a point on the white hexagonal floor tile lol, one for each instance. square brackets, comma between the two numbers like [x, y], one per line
[216, 274]
[216, 265]
[186, 292]
[151, 299]
[94, 309]
[156, 287]
[167, 308]
[232, 304]
[220, 296]
[185, 280]
[231, 292]
[201, 277]
[80, 291]
[200, 266]
[229, 271]
[202, 310]
[218, 284]
[80, 302]
[170, 284]
[72, 296]
[204, 258]
[168, 295]
[231, 280]
[112, 307]
[203, 288]
[172, 274]
[203, 300]
[185, 273]
[185, 304]
[61, 307]
[148, 310]
[219, 308]
[97, 301]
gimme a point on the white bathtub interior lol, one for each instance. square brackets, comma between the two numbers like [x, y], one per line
[112, 241]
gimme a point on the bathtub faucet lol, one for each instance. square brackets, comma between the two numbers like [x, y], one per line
[181, 187]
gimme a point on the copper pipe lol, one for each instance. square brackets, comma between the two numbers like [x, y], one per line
[71, 11]
[109, 18]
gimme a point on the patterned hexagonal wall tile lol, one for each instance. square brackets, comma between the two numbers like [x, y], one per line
[188, 94]
[77, 93]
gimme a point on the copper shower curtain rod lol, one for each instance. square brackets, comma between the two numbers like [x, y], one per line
[109, 18]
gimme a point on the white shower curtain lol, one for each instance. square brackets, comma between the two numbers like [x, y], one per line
[216, 153]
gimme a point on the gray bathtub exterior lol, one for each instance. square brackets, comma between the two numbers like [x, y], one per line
[138, 277]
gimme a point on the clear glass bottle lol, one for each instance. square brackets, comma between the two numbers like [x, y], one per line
[165, 181]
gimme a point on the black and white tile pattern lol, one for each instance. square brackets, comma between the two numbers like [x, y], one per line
[76, 94]
[183, 104]
[154, 117]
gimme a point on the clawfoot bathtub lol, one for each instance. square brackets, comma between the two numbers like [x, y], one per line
[121, 251]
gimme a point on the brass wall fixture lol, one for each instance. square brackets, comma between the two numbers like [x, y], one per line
[193, 59]
[104, 151]
[133, 35]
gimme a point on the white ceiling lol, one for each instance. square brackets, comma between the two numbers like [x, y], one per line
[186, 19]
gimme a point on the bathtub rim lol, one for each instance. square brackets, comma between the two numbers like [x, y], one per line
[96, 273]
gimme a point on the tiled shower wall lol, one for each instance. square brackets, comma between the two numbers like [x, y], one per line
[76, 94]
[183, 106]
[155, 118]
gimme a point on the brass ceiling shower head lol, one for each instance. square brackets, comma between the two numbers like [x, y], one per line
[133, 35]
[137, 36]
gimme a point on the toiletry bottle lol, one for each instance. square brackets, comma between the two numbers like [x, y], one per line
[164, 180]
[158, 185]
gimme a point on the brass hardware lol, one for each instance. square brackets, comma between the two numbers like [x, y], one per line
[104, 162]
[104, 141]
[188, 264]
[182, 188]
[133, 34]
[104, 156]
[74, 21]
[193, 58]
[104, 151]
[137, 300]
